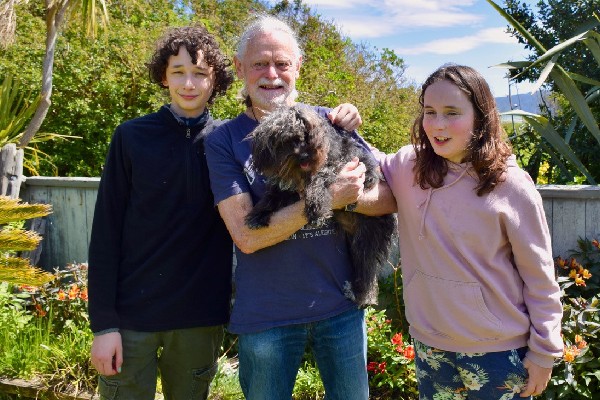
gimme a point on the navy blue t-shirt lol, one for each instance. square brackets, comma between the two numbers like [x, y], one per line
[295, 281]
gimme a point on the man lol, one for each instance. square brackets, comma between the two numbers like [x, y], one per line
[290, 277]
[160, 255]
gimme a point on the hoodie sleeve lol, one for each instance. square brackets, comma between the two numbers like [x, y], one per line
[106, 236]
[529, 236]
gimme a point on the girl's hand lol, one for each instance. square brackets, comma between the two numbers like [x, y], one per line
[537, 380]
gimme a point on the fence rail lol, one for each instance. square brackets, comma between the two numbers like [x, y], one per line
[572, 212]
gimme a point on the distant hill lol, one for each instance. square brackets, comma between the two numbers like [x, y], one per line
[523, 101]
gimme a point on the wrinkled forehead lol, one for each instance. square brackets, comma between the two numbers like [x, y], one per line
[274, 42]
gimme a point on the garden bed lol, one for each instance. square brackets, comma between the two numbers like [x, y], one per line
[36, 390]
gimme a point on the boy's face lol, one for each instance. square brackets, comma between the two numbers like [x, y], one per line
[190, 85]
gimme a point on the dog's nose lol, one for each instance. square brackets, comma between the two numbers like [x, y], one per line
[304, 157]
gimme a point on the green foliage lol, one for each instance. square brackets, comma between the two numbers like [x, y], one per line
[569, 138]
[390, 359]
[44, 332]
[577, 375]
[103, 82]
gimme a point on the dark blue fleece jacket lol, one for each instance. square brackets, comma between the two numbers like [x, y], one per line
[160, 255]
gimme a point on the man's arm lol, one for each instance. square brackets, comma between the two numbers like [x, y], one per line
[289, 219]
[379, 200]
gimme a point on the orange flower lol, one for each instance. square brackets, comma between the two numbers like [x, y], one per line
[578, 338]
[397, 338]
[579, 281]
[83, 295]
[586, 274]
[573, 274]
[73, 292]
[40, 311]
[399, 348]
[573, 263]
[561, 262]
[581, 344]
[570, 353]
[61, 295]
[595, 243]
[409, 352]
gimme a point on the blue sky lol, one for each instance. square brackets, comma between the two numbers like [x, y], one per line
[429, 33]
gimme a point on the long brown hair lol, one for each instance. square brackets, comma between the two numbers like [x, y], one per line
[488, 149]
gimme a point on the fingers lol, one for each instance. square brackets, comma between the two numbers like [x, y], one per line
[537, 379]
[107, 353]
[345, 116]
[349, 183]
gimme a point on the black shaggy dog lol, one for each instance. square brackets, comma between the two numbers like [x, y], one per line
[299, 152]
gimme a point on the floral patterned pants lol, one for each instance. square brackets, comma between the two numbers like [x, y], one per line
[446, 375]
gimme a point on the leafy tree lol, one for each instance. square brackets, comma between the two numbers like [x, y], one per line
[100, 83]
[552, 22]
[567, 140]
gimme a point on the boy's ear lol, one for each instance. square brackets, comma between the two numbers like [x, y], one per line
[164, 82]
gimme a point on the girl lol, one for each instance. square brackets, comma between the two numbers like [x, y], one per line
[479, 285]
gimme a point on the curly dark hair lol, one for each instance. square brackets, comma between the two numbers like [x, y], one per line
[488, 149]
[193, 38]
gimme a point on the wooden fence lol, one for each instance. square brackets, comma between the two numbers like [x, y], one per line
[571, 211]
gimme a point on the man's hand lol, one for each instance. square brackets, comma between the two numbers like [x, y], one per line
[107, 353]
[348, 185]
[537, 380]
[345, 116]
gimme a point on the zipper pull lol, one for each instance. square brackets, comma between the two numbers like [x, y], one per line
[187, 133]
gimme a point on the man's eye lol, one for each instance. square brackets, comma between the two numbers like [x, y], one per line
[283, 65]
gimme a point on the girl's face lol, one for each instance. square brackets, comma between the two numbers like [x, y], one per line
[448, 120]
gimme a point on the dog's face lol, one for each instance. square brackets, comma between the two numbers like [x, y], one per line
[289, 146]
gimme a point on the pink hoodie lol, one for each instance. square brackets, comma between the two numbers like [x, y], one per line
[478, 272]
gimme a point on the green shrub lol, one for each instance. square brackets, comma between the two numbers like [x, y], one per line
[577, 375]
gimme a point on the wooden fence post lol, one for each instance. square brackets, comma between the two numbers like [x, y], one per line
[11, 170]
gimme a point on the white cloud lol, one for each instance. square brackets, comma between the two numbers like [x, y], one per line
[360, 19]
[459, 45]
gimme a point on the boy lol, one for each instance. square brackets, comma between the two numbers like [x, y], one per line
[160, 255]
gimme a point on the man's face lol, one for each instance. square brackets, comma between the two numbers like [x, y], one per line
[190, 85]
[269, 69]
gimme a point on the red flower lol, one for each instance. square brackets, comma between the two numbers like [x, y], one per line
[372, 366]
[397, 338]
[39, 310]
[409, 352]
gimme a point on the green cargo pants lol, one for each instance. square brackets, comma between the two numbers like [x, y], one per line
[186, 359]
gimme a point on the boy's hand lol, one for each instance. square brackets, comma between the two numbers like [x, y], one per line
[107, 353]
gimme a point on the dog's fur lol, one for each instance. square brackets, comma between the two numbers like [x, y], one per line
[298, 151]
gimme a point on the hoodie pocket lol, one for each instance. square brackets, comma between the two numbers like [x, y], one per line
[452, 309]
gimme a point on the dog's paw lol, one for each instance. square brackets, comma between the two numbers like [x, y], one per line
[257, 221]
